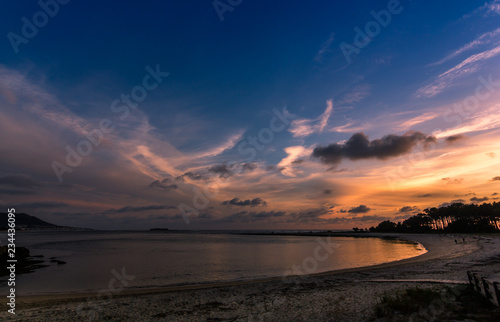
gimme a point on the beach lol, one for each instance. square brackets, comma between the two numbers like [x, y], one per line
[345, 295]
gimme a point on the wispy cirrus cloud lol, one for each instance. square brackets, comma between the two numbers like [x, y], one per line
[446, 79]
[325, 48]
[487, 9]
[356, 95]
[483, 39]
[350, 127]
[294, 153]
[306, 127]
[32, 98]
[217, 150]
[417, 120]
[486, 119]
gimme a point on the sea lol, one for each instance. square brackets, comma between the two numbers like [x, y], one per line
[100, 260]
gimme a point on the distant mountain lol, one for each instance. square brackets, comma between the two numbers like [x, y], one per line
[25, 221]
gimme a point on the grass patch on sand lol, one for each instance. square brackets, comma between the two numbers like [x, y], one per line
[436, 304]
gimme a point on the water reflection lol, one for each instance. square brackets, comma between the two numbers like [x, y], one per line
[158, 259]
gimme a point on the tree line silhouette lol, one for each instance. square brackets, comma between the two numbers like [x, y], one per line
[455, 218]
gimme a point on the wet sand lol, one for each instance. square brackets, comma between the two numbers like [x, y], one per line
[344, 295]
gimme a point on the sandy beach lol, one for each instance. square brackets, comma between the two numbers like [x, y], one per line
[346, 295]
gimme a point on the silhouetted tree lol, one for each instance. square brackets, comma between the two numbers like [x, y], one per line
[454, 218]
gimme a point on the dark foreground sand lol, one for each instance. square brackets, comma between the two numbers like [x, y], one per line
[348, 295]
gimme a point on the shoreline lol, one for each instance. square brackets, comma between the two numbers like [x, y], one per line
[431, 253]
[340, 295]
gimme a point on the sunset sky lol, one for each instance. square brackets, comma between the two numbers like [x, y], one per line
[259, 115]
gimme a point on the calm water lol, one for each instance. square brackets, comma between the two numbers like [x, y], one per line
[158, 259]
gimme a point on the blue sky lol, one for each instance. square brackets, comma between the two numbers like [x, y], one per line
[225, 80]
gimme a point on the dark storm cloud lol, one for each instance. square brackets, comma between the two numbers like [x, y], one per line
[361, 209]
[138, 209]
[359, 147]
[18, 181]
[406, 209]
[476, 199]
[253, 202]
[165, 184]
[452, 139]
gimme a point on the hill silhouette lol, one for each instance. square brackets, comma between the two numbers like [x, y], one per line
[25, 221]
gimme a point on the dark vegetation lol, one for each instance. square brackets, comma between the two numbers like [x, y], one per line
[458, 303]
[455, 218]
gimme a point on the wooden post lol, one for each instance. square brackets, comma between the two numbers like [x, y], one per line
[496, 289]
[471, 280]
[489, 290]
[479, 286]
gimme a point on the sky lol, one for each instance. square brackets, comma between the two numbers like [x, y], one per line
[247, 114]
